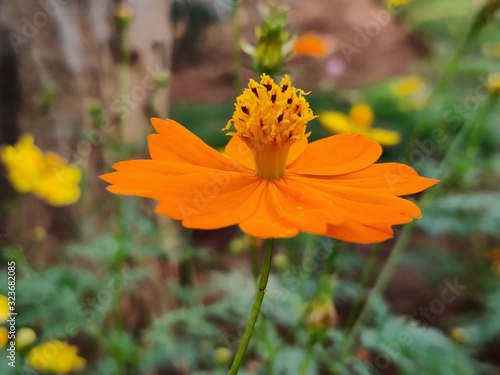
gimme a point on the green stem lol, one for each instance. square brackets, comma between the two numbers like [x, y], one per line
[254, 257]
[264, 276]
[444, 171]
[307, 360]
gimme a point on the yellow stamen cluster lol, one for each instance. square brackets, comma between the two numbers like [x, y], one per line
[270, 118]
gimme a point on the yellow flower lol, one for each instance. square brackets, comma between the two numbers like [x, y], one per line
[4, 309]
[359, 121]
[409, 86]
[59, 185]
[412, 92]
[24, 164]
[394, 3]
[55, 356]
[47, 176]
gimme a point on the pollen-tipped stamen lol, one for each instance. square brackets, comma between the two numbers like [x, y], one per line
[270, 118]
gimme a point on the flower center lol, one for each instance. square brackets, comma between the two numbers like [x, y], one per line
[270, 118]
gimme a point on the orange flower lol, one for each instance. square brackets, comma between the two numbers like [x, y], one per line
[310, 44]
[272, 182]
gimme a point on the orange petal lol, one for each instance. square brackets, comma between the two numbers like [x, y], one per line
[296, 149]
[352, 231]
[210, 201]
[335, 155]
[266, 221]
[149, 178]
[391, 178]
[175, 143]
[238, 151]
[136, 177]
[307, 213]
[354, 204]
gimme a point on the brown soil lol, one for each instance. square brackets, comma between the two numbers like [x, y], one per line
[206, 71]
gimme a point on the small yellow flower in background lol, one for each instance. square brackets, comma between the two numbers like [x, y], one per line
[409, 85]
[393, 3]
[55, 356]
[493, 83]
[4, 309]
[47, 176]
[412, 91]
[310, 44]
[59, 185]
[359, 121]
[24, 163]
[322, 315]
[24, 338]
[4, 315]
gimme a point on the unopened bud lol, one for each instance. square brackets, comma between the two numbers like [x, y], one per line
[460, 335]
[493, 83]
[322, 315]
[24, 338]
[269, 54]
[222, 355]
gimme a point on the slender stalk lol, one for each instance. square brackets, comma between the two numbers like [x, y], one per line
[264, 276]
[307, 360]
[444, 171]
[254, 257]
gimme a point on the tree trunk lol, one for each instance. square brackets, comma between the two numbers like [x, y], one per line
[69, 55]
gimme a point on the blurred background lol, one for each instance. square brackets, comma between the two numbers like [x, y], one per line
[105, 286]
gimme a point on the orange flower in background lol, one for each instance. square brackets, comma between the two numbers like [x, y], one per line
[273, 183]
[310, 44]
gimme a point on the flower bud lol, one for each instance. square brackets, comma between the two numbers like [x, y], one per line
[24, 338]
[460, 335]
[222, 355]
[269, 54]
[322, 315]
[123, 16]
[493, 83]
